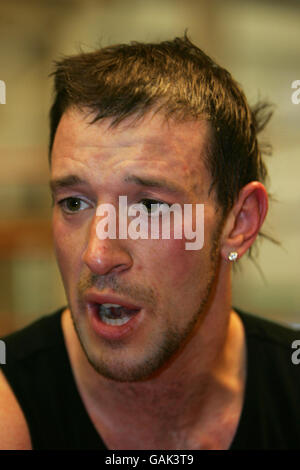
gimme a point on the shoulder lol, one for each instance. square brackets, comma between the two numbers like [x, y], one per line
[26, 353]
[271, 413]
[268, 333]
[14, 432]
[271, 353]
[38, 336]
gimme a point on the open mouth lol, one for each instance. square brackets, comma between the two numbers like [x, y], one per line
[115, 314]
[113, 317]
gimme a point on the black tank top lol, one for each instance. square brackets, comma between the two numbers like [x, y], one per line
[39, 372]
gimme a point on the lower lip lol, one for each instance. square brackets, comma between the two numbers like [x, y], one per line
[113, 332]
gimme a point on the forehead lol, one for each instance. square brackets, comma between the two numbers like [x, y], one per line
[150, 144]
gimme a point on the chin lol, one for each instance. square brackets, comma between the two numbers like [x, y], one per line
[130, 362]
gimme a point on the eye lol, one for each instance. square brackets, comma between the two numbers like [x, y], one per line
[71, 205]
[152, 206]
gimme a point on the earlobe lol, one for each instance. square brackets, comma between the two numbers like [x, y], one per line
[245, 220]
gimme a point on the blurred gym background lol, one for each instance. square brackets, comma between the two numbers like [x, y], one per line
[257, 40]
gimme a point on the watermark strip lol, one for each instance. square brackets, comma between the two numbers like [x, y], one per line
[2, 352]
[159, 217]
[2, 92]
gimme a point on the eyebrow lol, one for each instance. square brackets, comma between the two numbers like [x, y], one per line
[160, 183]
[65, 182]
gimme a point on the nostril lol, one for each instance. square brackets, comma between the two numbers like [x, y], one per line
[106, 256]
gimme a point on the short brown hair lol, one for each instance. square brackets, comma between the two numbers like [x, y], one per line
[180, 80]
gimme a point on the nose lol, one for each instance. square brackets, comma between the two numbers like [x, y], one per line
[105, 256]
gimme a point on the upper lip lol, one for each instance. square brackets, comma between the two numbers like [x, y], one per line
[95, 297]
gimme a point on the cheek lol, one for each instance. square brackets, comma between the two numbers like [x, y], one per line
[174, 266]
[67, 249]
[186, 266]
[189, 259]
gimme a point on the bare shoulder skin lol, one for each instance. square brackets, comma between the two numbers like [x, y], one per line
[14, 432]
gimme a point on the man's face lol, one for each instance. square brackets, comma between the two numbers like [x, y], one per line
[163, 287]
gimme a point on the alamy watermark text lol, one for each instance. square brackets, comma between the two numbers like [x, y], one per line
[296, 94]
[2, 92]
[157, 222]
[2, 352]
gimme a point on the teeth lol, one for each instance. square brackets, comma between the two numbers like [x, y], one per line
[107, 315]
[114, 321]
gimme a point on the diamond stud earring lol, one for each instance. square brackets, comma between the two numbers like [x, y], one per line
[233, 256]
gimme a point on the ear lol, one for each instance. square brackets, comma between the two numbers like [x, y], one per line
[244, 220]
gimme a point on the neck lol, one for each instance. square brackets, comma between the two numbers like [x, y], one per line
[204, 380]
